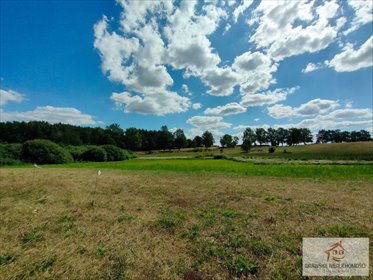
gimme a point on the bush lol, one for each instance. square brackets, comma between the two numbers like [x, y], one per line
[43, 152]
[10, 154]
[9, 161]
[78, 151]
[220, 157]
[128, 154]
[10, 151]
[271, 150]
[114, 153]
[94, 154]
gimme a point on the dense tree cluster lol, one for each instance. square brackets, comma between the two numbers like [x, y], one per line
[132, 138]
[228, 141]
[275, 137]
[294, 136]
[338, 136]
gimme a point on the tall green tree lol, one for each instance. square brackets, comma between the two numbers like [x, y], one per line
[248, 139]
[294, 136]
[234, 142]
[166, 138]
[261, 135]
[180, 139]
[226, 140]
[272, 136]
[207, 139]
[117, 134]
[133, 139]
[305, 135]
[198, 140]
[281, 135]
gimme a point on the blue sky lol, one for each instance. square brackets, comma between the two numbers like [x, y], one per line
[215, 65]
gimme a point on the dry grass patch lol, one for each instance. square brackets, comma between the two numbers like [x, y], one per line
[61, 223]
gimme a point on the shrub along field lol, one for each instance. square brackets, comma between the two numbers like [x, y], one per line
[43, 151]
[159, 223]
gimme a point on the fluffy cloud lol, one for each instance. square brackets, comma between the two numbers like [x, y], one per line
[159, 103]
[137, 60]
[313, 67]
[207, 122]
[363, 14]
[188, 47]
[226, 110]
[138, 57]
[267, 98]
[328, 122]
[350, 113]
[115, 51]
[279, 34]
[312, 108]
[200, 124]
[50, 114]
[185, 88]
[255, 71]
[220, 80]
[7, 96]
[245, 4]
[351, 60]
[197, 106]
[135, 12]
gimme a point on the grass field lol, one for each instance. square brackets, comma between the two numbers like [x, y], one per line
[334, 151]
[216, 219]
[208, 167]
[160, 217]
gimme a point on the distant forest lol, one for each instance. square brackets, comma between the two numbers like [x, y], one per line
[140, 139]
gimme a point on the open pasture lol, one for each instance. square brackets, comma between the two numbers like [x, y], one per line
[60, 223]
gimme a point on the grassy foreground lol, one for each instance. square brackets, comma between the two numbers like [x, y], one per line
[126, 224]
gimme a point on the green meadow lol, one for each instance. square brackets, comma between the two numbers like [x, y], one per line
[182, 214]
[211, 166]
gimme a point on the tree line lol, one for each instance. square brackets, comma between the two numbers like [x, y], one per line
[131, 138]
[338, 136]
[145, 140]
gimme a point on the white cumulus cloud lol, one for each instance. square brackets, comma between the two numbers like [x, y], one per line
[351, 60]
[313, 67]
[267, 98]
[50, 114]
[311, 108]
[279, 33]
[160, 103]
[7, 96]
[208, 122]
[226, 110]
[363, 14]
[138, 54]
[255, 71]
[197, 106]
[245, 4]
